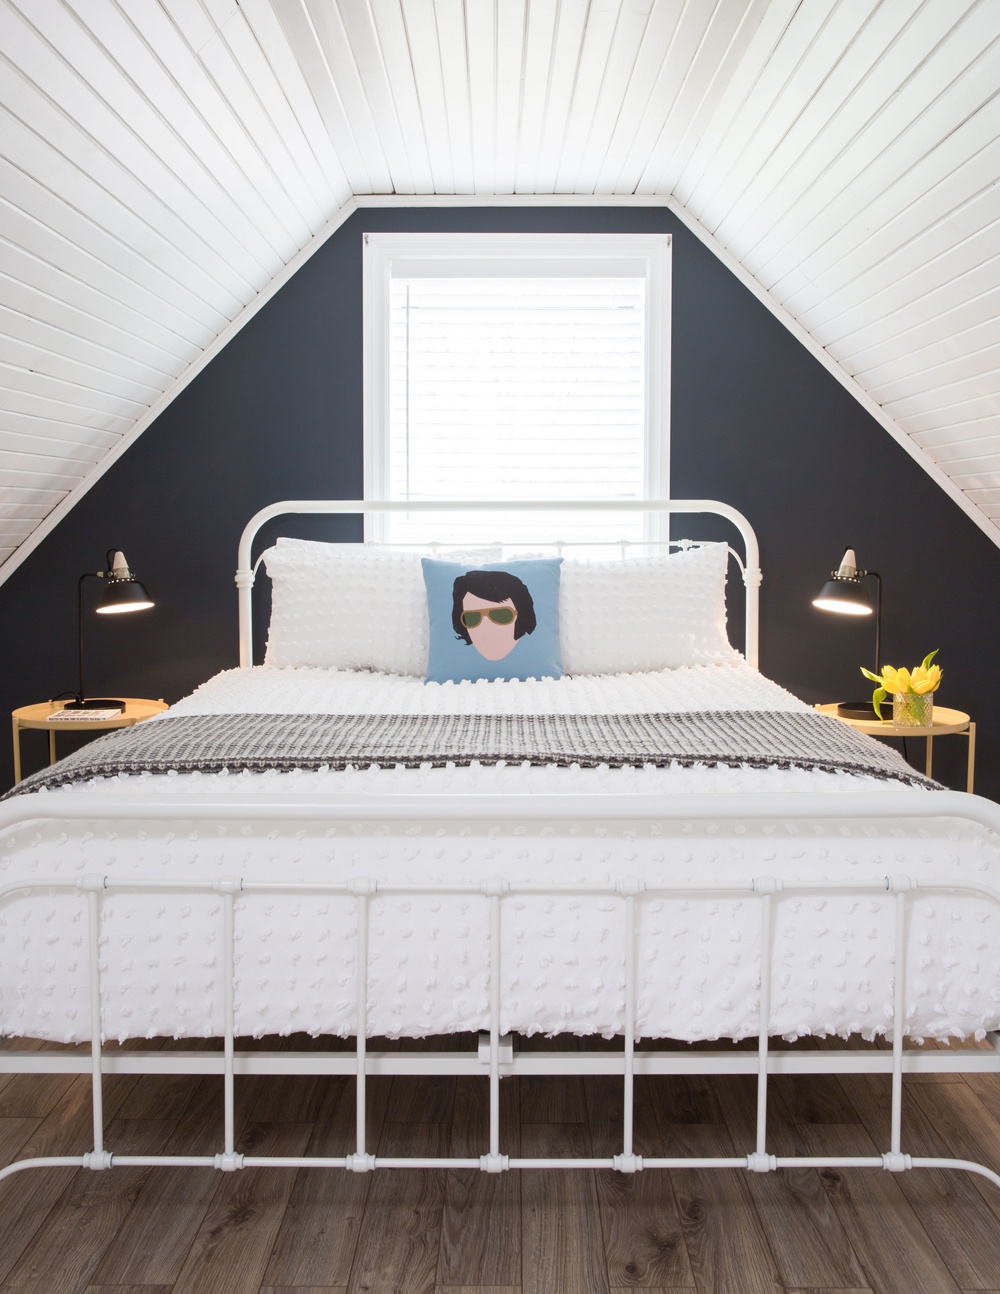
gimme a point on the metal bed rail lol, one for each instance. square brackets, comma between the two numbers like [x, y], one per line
[496, 1057]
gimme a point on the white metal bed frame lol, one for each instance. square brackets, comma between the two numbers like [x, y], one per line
[497, 1057]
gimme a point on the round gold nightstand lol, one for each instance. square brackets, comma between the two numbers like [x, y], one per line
[38, 716]
[946, 723]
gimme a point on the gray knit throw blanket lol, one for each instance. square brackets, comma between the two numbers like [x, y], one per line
[261, 743]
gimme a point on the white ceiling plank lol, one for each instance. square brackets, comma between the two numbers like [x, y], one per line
[949, 395]
[975, 481]
[69, 394]
[957, 277]
[480, 19]
[327, 24]
[511, 18]
[34, 413]
[91, 33]
[910, 95]
[598, 41]
[394, 49]
[62, 343]
[264, 28]
[21, 353]
[951, 174]
[956, 465]
[264, 108]
[960, 413]
[642, 109]
[942, 334]
[535, 85]
[564, 64]
[139, 142]
[210, 83]
[962, 244]
[697, 51]
[212, 252]
[16, 442]
[763, 39]
[449, 19]
[304, 41]
[421, 39]
[724, 47]
[970, 361]
[627, 42]
[23, 511]
[711, 197]
[817, 99]
[82, 245]
[396, 140]
[952, 435]
[21, 267]
[55, 481]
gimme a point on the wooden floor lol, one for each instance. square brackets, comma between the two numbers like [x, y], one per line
[178, 1231]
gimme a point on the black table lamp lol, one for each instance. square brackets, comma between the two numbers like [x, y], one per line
[123, 593]
[845, 594]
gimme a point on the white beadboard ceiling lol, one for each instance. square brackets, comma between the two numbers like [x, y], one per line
[166, 164]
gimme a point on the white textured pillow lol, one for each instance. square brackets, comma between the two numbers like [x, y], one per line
[345, 606]
[645, 613]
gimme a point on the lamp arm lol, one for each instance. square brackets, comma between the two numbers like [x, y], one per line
[878, 622]
[79, 618]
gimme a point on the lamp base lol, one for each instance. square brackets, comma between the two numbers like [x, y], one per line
[864, 710]
[94, 703]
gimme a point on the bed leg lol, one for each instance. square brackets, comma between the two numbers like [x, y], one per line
[628, 1161]
[361, 1161]
[494, 1162]
[229, 1161]
[98, 1158]
[895, 1161]
[760, 1161]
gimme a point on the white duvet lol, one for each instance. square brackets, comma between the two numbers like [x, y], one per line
[562, 958]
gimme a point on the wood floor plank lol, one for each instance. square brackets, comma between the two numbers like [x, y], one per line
[153, 1242]
[319, 1232]
[33, 1096]
[683, 1098]
[561, 1234]
[233, 1244]
[807, 1238]
[726, 1244]
[13, 1135]
[471, 1289]
[65, 1250]
[892, 1247]
[401, 1232]
[26, 1198]
[303, 1289]
[553, 1100]
[135, 1289]
[954, 1211]
[643, 1240]
[481, 1221]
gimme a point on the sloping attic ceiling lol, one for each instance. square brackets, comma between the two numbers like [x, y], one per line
[166, 163]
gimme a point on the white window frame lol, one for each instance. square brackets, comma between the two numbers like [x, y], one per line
[441, 255]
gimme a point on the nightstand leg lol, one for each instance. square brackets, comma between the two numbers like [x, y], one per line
[972, 757]
[17, 752]
[930, 755]
[52, 745]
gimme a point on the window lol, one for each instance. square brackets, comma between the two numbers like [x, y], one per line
[516, 367]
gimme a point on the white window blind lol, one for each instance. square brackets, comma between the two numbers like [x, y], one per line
[517, 388]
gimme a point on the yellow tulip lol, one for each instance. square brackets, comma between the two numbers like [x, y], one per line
[903, 680]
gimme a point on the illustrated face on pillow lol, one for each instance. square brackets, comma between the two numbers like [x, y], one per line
[492, 611]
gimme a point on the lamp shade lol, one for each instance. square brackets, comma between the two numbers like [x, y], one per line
[846, 596]
[123, 591]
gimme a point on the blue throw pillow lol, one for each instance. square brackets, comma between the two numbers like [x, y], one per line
[499, 620]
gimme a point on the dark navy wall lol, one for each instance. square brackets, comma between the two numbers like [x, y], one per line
[757, 422]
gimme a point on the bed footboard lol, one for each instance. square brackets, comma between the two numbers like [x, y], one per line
[496, 1057]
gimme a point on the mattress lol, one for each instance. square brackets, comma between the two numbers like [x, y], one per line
[562, 957]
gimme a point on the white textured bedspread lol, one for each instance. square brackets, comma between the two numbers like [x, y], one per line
[562, 958]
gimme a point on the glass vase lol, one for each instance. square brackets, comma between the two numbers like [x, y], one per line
[910, 710]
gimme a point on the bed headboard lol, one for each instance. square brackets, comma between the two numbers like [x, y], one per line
[246, 571]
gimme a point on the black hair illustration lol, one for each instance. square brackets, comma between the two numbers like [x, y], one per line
[494, 586]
